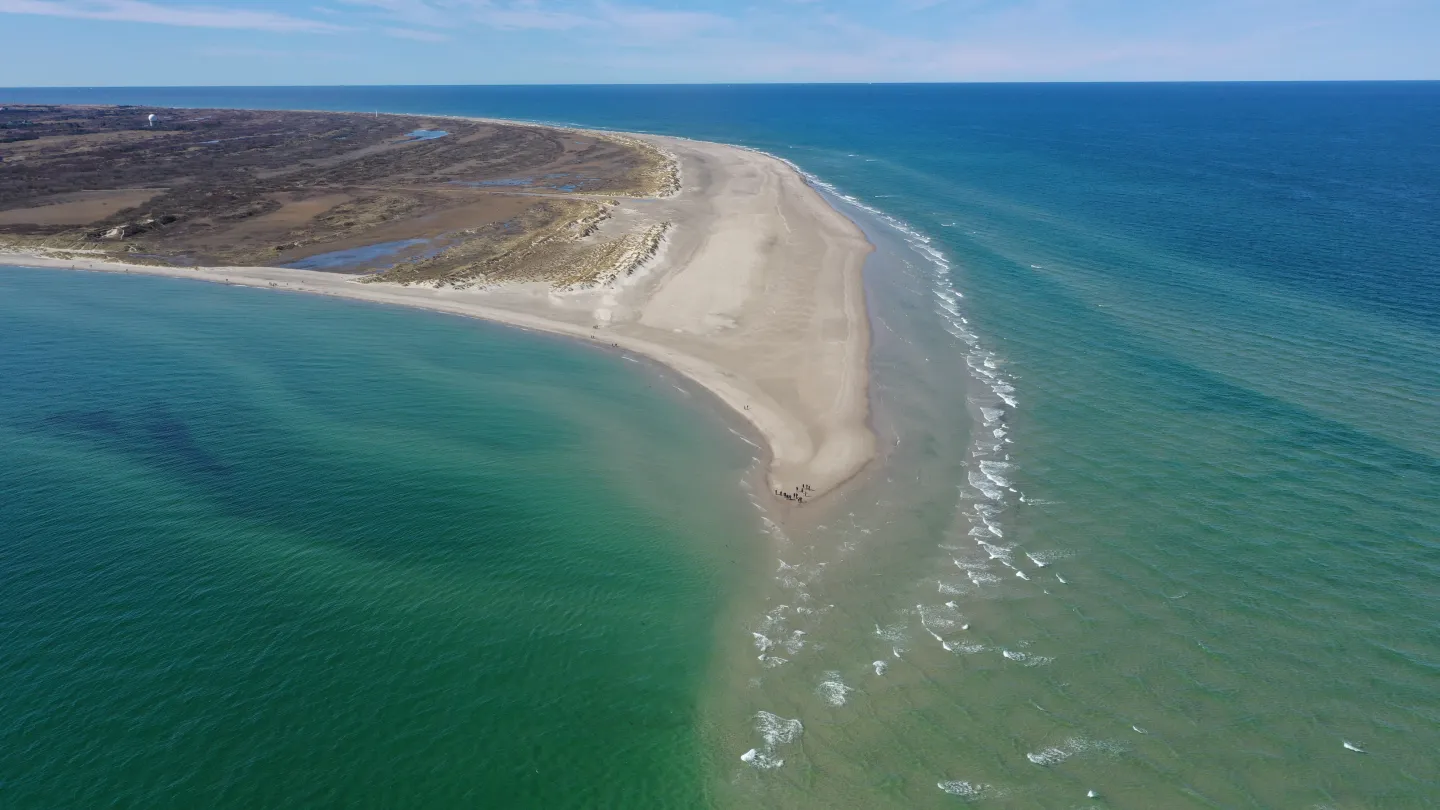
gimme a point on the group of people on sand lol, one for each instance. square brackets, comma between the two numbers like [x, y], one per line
[798, 496]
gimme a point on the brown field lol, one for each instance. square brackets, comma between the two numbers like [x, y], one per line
[485, 203]
[78, 207]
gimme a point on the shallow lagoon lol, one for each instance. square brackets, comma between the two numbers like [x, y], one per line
[368, 256]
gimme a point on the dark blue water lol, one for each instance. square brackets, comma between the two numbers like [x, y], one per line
[1217, 310]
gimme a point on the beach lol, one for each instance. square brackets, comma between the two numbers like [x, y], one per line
[755, 294]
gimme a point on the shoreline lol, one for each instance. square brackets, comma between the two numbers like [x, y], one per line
[757, 296]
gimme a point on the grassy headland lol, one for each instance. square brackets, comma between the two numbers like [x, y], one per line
[474, 202]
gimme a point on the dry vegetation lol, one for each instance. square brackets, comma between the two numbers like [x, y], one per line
[485, 203]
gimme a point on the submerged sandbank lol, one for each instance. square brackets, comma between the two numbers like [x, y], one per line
[756, 295]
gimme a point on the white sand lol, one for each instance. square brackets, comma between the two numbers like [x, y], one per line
[756, 295]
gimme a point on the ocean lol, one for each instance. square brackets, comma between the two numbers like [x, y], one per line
[1156, 371]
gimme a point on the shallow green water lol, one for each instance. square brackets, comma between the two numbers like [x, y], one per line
[262, 550]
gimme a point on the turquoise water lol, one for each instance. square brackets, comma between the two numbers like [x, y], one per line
[262, 550]
[1157, 369]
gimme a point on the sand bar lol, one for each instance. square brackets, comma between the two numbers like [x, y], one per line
[756, 295]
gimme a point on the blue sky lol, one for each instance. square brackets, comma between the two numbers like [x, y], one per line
[160, 42]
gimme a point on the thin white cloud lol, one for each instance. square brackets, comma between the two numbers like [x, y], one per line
[187, 16]
[847, 51]
[417, 35]
[290, 55]
[530, 17]
[408, 12]
[535, 15]
[447, 14]
[660, 23]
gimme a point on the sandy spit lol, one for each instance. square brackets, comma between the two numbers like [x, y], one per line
[756, 295]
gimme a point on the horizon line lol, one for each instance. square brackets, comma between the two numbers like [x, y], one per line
[725, 84]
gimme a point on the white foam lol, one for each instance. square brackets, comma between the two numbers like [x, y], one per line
[965, 790]
[1044, 558]
[1075, 745]
[1049, 756]
[931, 621]
[742, 437]
[1028, 659]
[895, 633]
[996, 552]
[881, 666]
[833, 689]
[766, 762]
[775, 618]
[985, 486]
[775, 731]
[993, 470]
[981, 578]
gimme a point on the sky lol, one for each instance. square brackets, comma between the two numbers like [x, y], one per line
[326, 42]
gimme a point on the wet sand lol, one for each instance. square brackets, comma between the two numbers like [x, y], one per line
[756, 295]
